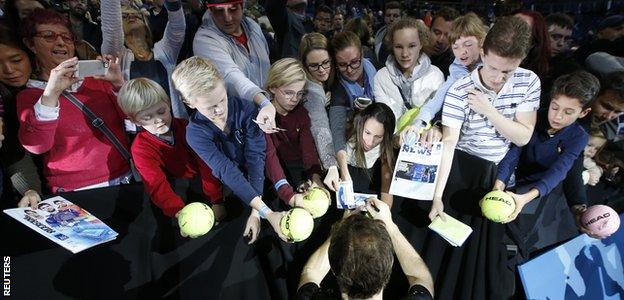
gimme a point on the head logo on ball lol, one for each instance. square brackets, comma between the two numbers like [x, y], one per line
[601, 220]
[297, 224]
[195, 219]
[497, 206]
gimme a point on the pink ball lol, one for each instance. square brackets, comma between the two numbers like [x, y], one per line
[601, 220]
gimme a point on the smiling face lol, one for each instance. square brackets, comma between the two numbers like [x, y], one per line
[496, 70]
[214, 105]
[564, 111]
[156, 119]
[467, 50]
[349, 62]
[319, 64]
[15, 68]
[372, 134]
[51, 52]
[406, 48]
[287, 97]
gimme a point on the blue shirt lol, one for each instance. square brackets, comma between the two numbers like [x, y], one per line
[236, 158]
[545, 161]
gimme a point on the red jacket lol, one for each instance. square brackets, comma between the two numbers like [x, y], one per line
[157, 161]
[75, 153]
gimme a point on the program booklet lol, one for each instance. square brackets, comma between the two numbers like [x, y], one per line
[416, 171]
[64, 223]
[452, 230]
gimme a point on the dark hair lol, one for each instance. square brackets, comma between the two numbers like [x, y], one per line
[325, 9]
[509, 37]
[384, 115]
[345, 39]
[392, 5]
[560, 19]
[579, 85]
[360, 27]
[9, 38]
[539, 53]
[11, 14]
[614, 81]
[446, 13]
[361, 256]
[42, 16]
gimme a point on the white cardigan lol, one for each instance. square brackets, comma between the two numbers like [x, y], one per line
[423, 89]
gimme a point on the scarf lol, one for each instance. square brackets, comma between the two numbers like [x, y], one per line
[405, 84]
[354, 90]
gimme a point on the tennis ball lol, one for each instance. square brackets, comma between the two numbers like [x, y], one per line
[497, 206]
[601, 220]
[195, 219]
[316, 202]
[297, 224]
[407, 118]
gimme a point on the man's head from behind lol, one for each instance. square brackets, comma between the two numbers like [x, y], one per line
[361, 256]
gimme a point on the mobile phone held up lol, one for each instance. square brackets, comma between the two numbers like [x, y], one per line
[363, 101]
[90, 68]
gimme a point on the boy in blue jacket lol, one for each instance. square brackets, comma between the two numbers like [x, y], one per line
[223, 133]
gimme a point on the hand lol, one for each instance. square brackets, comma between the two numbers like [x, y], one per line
[479, 102]
[304, 187]
[521, 201]
[593, 178]
[499, 185]
[296, 200]
[437, 209]
[317, 181]
[61, 78]
[379, 210]
[332, 179]
[431, 135]
[219, 212]
[31, 198]
[274, 219]
[266, 118]
[113, 73]
[410, 134]
[252, 227]
[577, 212]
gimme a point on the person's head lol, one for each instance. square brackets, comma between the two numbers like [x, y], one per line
[60, 203]
[392, 13]
[339, 21]
[77, 7]
[32, 214]
[571, 98]
[146, 104]
[611, 28]
[286, 83]
[406, 40]
[596, 141]
[15, 67]
[539, 51]
[347, 49]
[360, 256]
[466, 37]
[504, 47]
[135, 24]
[49, 38]
[371, 127]
[297, 6]
[227, 15]
[560, 28]
[199, 83]
[440, 27]
[45, 207]
[25, 7]
[314, 53]
[323, 19]
[610, 101]
[360, 27]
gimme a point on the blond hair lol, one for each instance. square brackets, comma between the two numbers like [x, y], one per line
[424, 35]
[194, 77]
[467, 25]
[140, 94]
[284, 72]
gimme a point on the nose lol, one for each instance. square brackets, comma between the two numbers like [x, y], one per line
[404, 53]
[227, 16]
[559, 115]
[7, 68]
[59, 40]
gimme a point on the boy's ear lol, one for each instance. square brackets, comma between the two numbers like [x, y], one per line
[584, 112]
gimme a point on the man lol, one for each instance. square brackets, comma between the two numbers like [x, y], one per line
[339, 21]
[609, 38]
[391, 15]
[560, 28]
[323, 21]
[288, 19]
[360, 252]
[82, 25]
[238, 48]
[442, 56]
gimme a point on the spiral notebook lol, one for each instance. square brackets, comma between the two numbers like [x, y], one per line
[452, 230]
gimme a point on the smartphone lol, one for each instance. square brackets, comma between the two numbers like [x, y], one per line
[363, 101]
[90, 68]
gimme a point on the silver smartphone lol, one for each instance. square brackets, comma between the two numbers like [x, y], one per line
[90, 68]
[363, 101]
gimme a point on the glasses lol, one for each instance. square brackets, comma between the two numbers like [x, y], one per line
[51, 36]
[354, 64]
[292, 94]
[326, 64]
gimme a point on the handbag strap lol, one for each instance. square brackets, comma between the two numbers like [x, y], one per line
[98, 123]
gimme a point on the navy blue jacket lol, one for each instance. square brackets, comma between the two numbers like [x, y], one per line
[236, 158]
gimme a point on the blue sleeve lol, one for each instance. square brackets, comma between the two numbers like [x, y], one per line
[433, 106]
[255, 149]
[571, 149]
[508, 165]
[227, 171]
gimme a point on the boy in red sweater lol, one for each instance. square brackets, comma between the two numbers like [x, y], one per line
[160, 152]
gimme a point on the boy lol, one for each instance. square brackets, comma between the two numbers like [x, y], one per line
[160, 151]
[223, 133]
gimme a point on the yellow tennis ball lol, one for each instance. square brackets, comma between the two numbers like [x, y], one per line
[407, 118]
[196, 219]
[497, 206]
[297, 224]
[316, 202]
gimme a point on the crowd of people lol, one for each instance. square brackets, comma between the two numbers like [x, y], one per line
[261, 99]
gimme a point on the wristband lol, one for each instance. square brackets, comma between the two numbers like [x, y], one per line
[264, 103]
[263, 211]
[279, 183]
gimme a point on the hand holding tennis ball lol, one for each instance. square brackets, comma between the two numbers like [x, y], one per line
[316, 201]
[497, 206]
[195, 219]
[297, 224]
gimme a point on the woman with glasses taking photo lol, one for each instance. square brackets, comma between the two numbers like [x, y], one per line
[351, 92]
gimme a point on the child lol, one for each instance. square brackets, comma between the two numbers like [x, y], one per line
[593, 172]
[223, 133]
[291, 151]
[160, 152]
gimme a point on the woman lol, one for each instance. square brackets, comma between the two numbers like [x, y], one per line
[76, 155]
[292, 163]
[361, 27]
[313, 52]
[539, 54]
[131, 40]
[353, 90]
[408, 80]
[369, 156]
[15, 70]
